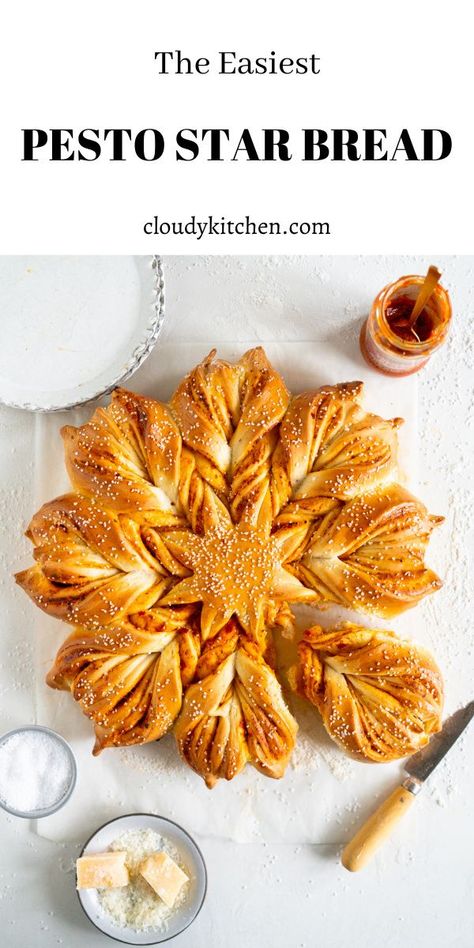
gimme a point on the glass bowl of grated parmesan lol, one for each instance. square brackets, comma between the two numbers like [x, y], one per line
[134, 913]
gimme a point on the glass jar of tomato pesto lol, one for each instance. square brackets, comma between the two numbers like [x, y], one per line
[386, 341]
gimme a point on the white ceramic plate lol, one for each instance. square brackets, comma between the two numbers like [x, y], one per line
[71, 328]
[192, 859]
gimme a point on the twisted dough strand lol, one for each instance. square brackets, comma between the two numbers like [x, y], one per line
[264, 400]
[380, 697]
[129, 679]
[234, 713]
[369, 554]
[329, 450]
[92, 567]
[128, 455]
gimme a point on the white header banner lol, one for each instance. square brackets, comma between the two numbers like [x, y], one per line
[260, 128]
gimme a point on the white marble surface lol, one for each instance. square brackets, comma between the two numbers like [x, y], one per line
[418, 890]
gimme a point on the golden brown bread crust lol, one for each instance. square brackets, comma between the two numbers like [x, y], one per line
[129, 678]
[92, 564]
[380, 697]
[369, 554]
[235, 713]
[330, 450]
[128, 455]
[190, 529]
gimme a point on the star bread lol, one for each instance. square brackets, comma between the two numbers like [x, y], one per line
[190, 531]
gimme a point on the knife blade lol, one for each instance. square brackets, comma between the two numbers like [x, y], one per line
[418, 767]
[422, 764]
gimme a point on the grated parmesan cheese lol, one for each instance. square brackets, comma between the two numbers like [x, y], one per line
[136, 905]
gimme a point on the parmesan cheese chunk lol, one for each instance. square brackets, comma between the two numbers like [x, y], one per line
[102, 871]
[164, 876]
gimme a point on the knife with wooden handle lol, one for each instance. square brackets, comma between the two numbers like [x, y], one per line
[382, 823]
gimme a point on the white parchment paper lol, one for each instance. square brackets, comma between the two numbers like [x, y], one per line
[320, 783]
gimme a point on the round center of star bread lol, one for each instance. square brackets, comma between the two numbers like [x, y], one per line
[234, 565]
[233, 571]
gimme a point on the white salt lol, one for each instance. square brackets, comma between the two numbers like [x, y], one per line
[35, 771]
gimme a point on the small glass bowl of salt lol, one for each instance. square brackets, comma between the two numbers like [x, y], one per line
[37, 771]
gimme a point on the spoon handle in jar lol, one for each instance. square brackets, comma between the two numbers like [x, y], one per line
[431, 279]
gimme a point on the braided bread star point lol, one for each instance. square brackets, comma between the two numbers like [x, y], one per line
[380, 697]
